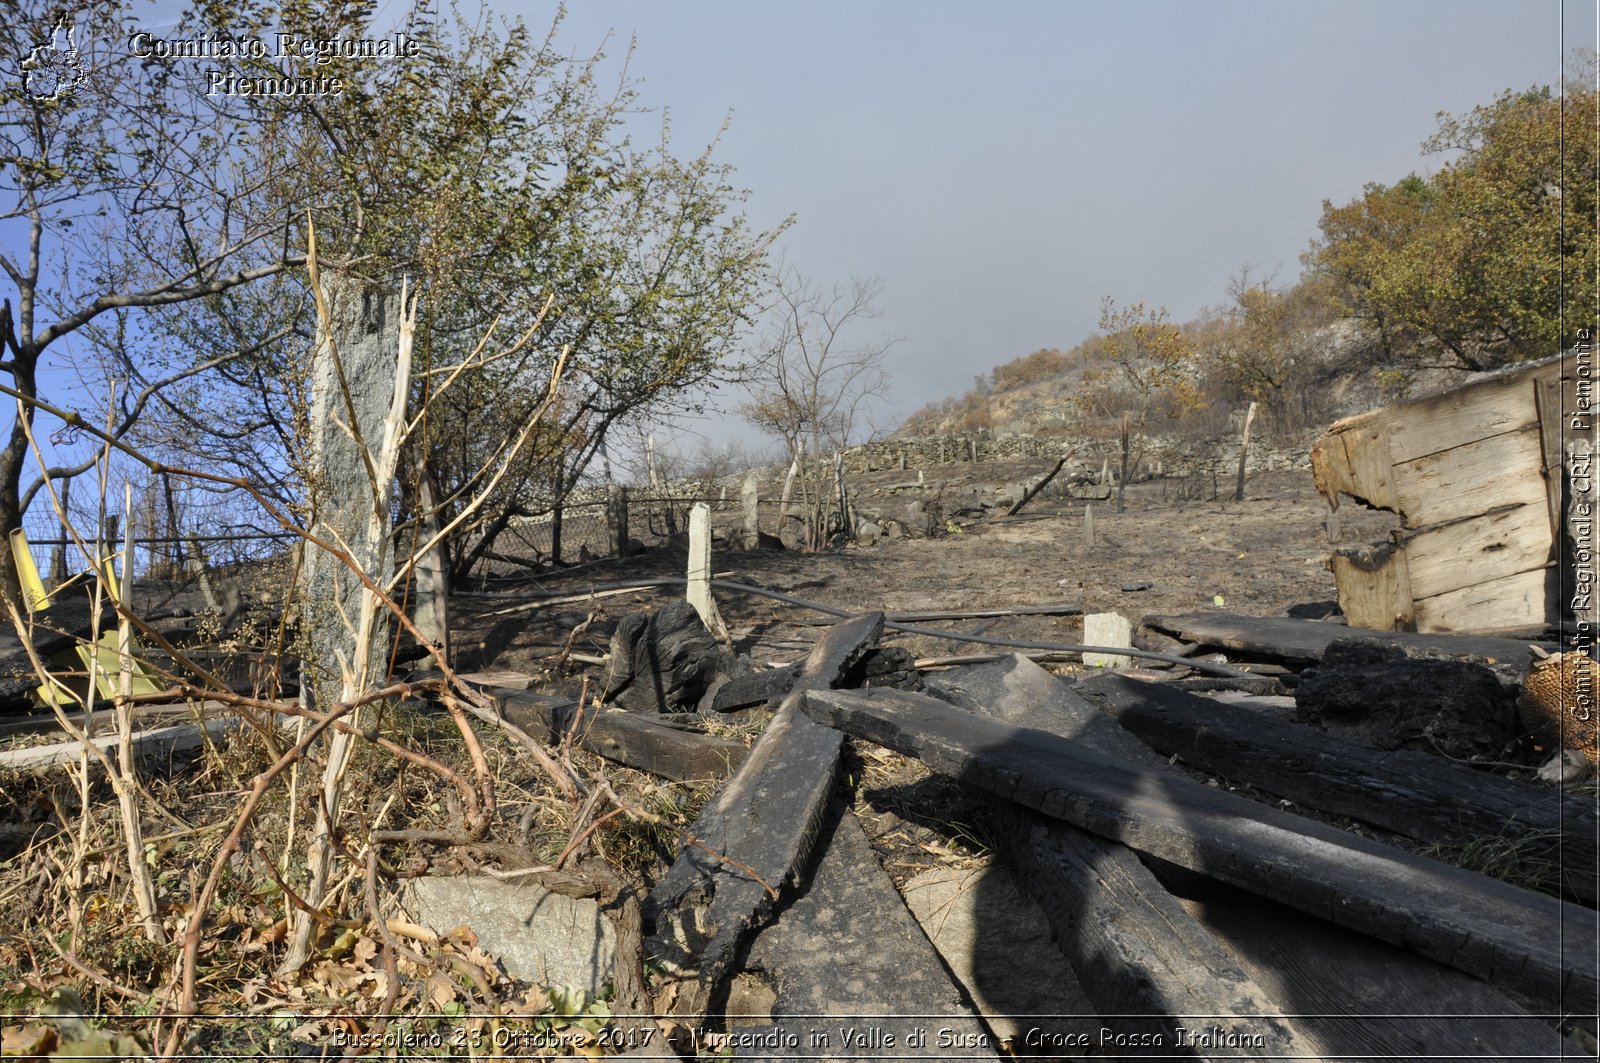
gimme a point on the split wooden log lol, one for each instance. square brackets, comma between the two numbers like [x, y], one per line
[847, 946]
[1417, 795]
[625, 737]
[1362, 999]
[1351, 995]
[1137, 953]
[752, 841]
[1534, 944]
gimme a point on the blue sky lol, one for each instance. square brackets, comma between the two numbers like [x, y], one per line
[1003, 166]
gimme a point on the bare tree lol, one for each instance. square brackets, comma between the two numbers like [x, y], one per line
[814, 378]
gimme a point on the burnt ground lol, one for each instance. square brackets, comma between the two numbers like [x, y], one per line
[1260, 556]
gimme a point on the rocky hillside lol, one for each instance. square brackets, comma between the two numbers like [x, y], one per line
[1337, 370]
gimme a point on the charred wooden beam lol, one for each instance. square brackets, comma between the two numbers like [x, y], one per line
[848, 946]
[1417, 795]
[1307, 640]
[752, 841]
[1535, 944]
[1135, 950]
[625, 737]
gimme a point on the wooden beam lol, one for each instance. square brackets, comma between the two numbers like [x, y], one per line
[1137, 953]
[1488, 547]
[159, 741]
[1418, 795]
[1307, 640]
[1501, 605]
[1531, 943]
[626, 737]
[1354, 461]
[1471, 479]
[752, 841]
[1374, 587]
[1362, 999]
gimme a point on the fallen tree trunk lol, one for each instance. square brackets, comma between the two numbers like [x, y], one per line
[1418, 795]
[752, 841]
[1028, 493]
[158, 742]
[1532, 943]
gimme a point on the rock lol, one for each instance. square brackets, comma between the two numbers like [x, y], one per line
[1107, 629]
[1398, 697]
[1137, 585]
[537, 935]
[868, 533]
[1325, 610]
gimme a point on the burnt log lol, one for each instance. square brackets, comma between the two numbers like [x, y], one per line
[1308, 640]
[848, 946]
[750, 844]
[664, 661]
[1417, 795]
[1533, 944]
[1402, 697]
[1135, 950]
[627, 738]
[754, 688]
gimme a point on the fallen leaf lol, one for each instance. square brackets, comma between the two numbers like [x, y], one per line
[29, 1042]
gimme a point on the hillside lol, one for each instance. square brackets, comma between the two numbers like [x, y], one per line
[1338, 369]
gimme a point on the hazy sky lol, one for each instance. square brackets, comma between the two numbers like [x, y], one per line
[1003, 166]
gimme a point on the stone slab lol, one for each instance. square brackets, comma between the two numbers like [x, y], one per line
[537, 935]
[1107, 629]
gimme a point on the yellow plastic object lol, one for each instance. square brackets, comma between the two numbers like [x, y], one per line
[28, 573]
[108, 674]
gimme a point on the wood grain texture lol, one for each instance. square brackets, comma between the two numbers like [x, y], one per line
[1485, 548]
[755, 837]
[1532, 943]
[1517, 602]
[625, 737]
[1137, 953]
[1374, 587]
[1307, 640]
[1471, 479]
[1418, 795]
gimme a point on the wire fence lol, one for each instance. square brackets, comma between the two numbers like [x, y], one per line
[178, 535]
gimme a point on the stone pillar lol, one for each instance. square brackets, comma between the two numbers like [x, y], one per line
[698, 591]
[750, 504]
[352, 390]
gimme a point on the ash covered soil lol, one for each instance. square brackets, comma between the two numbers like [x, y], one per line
[1261, 556]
